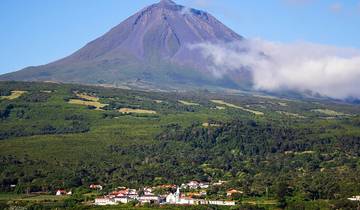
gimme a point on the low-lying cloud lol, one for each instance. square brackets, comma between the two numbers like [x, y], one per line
[302, 66]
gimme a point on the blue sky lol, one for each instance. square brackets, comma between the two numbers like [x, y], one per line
[35, 32]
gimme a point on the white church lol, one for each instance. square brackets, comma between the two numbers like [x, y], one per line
[177, 199]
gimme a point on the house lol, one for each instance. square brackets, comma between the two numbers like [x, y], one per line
[96, 187]
[355, 198]
[105, 201]
[220, 182]
[222, 203]
[148, 191]
[122, 192]
[192, 185]
[61, 192]
[203, 193]
[231, 192]
[132, 193]
[152, 199]
[118, 193]
[171, 198]
[186, 201]
[123, 199]
[204, 185]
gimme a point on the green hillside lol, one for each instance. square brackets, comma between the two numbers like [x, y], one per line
[302, 154]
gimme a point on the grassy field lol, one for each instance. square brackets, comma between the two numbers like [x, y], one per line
[188, 103]
[136, 111]
[96, 104]
[221, 102]
[31, 197]
[87, 97]
[14, 95]
[290, 114]
[329, 112]
[87, 100]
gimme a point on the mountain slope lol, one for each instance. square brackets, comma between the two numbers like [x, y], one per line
[151, 46]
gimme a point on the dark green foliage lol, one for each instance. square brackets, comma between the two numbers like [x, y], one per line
[5, 111]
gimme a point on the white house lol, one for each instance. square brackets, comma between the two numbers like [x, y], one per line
[220, 182]
[171, 198]
[355, 198]
[193, 184]
[61, 192]
[149, 199]
[104, 201]
[222, 203]
[122, 199]
[204, 185]
[96, 187]
[132, 193]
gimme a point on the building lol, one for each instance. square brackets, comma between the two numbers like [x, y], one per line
[131, 193]
[193, 184]
[231, 192]
[122, 199]
[355, 198]
[151, 199]
[96, 187]
[177, 199]
[222, 203]
[104, 201]
[61, 192]
[204, 185]
[148, 191]
[219, 183]
[171, 198]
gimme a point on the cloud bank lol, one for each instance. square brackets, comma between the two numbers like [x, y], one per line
[301, 66]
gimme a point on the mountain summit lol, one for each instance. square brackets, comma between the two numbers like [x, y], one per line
[150, 47]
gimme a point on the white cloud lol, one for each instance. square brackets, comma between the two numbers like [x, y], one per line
[327, 70]
[186, 11]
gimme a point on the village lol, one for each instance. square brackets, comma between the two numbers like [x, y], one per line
[191, 193]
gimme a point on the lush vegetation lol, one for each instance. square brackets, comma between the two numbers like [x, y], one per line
[293, 155]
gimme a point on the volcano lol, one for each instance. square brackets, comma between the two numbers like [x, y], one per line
[151, 47]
